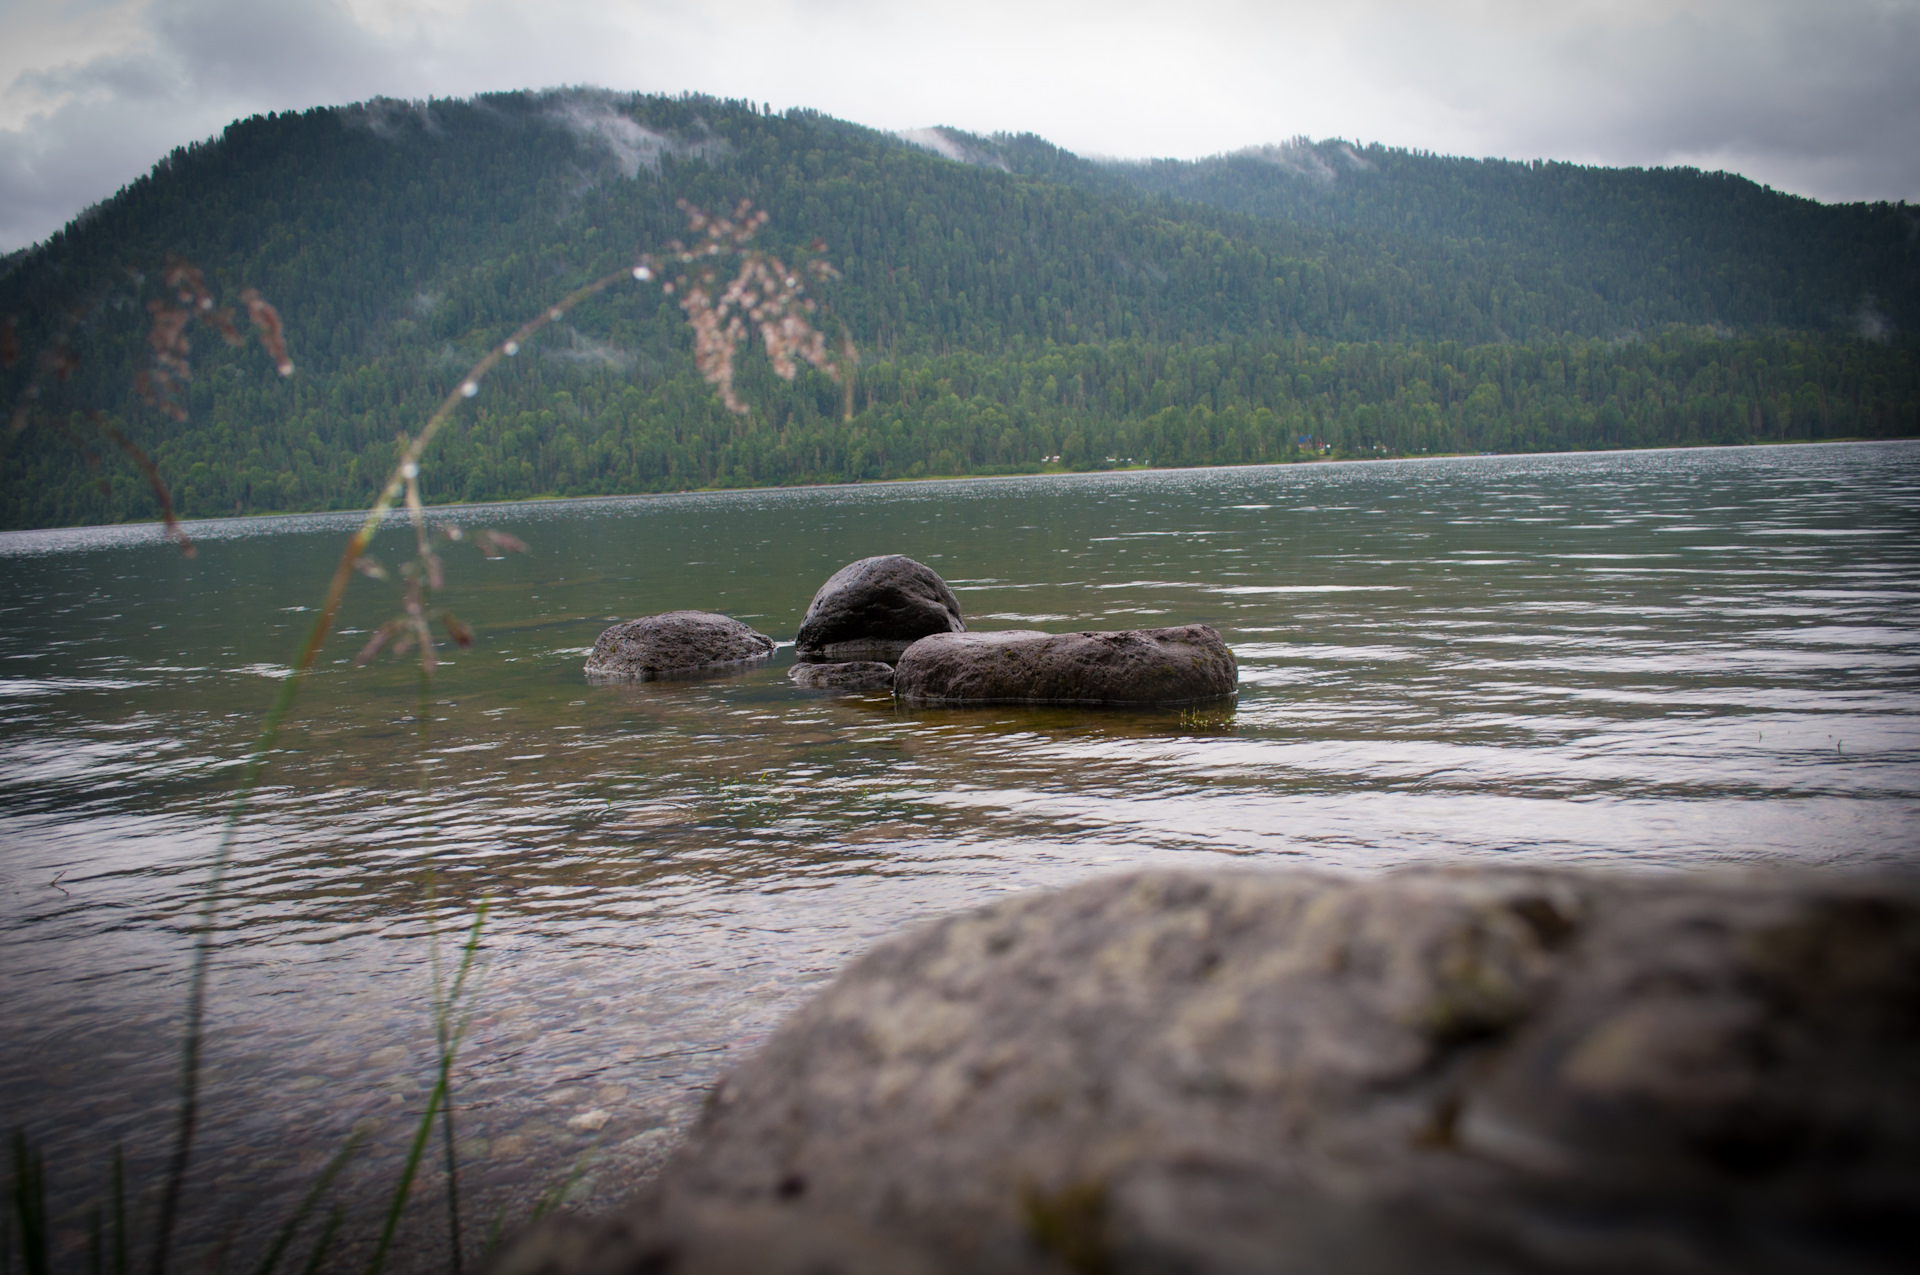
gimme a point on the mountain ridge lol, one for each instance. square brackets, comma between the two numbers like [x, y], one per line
[1275, 312]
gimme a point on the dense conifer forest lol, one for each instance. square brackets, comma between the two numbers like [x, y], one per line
[1015, 307]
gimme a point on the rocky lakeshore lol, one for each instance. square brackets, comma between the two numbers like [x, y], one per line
[1468, 1069]
[1505, 1070]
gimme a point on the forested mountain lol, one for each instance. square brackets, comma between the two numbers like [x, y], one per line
[1015, 307]
[1672, 245]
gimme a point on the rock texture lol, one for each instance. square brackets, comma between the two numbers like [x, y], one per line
[1432, 1071]
[1137, 666]
[874, 609]
[855, 675]
[674, 643]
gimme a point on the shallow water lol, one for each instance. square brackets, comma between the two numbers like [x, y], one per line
[1654, 660]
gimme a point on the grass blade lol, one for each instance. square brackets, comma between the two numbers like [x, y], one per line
[493, 1232]
[453, 1167]
[119, 1211]
[450, 1045]
[30, 1205]
[405, 468]
[447, 1035]
[404, 1187]
[284, 1240]
[321, 1245]
[554, 1196]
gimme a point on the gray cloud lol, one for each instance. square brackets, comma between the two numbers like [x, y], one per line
[1821, 99]
[202, 65]
[1818, 99]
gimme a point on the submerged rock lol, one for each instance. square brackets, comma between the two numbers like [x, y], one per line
[1430, 1071]
[874, 609]
[853, 675]
[1137, 666]
[675, 642]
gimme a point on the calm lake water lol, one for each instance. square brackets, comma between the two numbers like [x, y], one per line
[1647, 660]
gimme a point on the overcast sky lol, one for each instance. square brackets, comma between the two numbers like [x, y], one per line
[1820, 97]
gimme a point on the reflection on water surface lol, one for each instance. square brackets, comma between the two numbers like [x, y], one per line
[1654, 659]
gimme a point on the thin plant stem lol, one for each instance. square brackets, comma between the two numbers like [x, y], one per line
[434, 1100]
[556, 1195]
[498, 1225]
[119, 1211]
[442, 1026]
[424, 717]
[453, 1167]
[443, 1029]
[404, 471]
[30, 1205]
[402, 481]
[405, 1186]
[408, 466]
[284, 1240]
[321, 1245]
[197, 979]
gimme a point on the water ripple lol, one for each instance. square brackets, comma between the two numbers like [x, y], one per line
[1654, 660]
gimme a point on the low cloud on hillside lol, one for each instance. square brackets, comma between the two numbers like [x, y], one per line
[1819, 99]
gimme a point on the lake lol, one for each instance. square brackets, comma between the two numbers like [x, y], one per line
[1655, 661]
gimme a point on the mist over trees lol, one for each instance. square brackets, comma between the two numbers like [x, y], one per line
[1016, 309]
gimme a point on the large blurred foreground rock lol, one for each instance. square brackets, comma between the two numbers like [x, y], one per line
[674, 643]
[1434, 1071]
[1020, 666]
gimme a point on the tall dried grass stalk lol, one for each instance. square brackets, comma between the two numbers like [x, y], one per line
[763, 295]
[405, 473]
[413, 626]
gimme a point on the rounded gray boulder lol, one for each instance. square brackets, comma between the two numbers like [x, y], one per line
[672, 644]
[852, 675]
[874, 609]
[1467, 1070]
[1135, 666]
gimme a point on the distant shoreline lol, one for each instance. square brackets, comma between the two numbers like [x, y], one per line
[1057, 472]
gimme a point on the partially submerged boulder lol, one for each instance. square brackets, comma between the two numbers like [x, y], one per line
[1135, 666]
[1431, 1071]
[673, 644]
[874, 609]
[853, 675]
